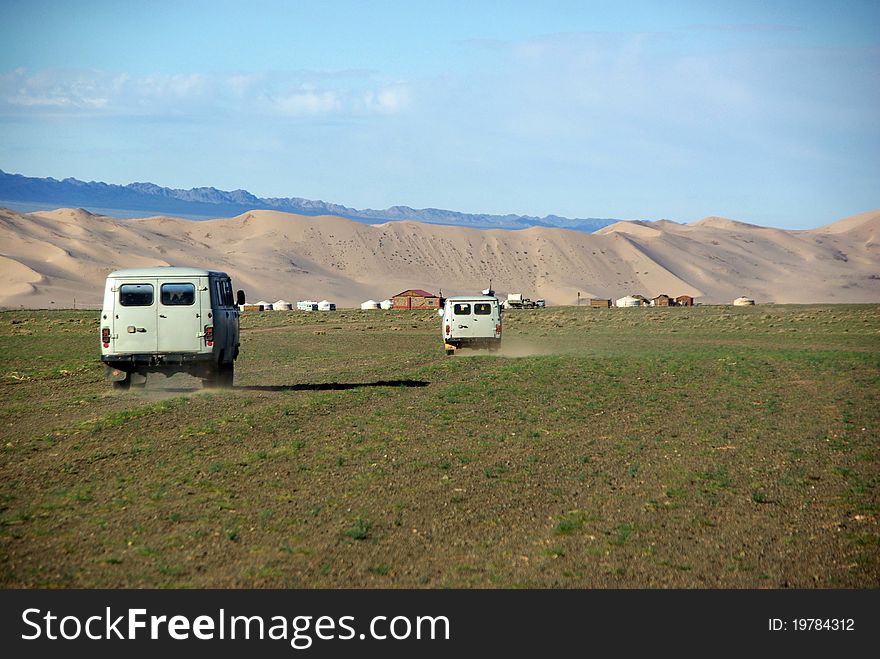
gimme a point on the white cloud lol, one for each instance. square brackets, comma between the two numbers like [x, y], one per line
[44, 90]
[387, 100]
[241, 84]
[305, 103]
[296, 94]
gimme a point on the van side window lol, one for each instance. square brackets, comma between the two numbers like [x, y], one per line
[483, 309]
[178, 294]
[136, 295]
[221, 293]
[216, 293]
[228, 298]
[461, 309]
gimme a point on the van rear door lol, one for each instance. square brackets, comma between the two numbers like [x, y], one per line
[485, 316]
[135, 304]
[180, 314]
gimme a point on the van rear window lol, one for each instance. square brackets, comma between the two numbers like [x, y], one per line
[483, 309]
[136, 295]
[461, 309]
[178, 294]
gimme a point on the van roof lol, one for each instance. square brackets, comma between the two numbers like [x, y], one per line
[165, 271]
[471, 298]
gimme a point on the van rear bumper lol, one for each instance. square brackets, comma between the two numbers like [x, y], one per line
[474, 342]
[152, 359]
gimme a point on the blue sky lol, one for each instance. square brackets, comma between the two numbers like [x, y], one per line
[767, 112]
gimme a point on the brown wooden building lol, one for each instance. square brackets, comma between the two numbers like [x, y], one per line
[663, 301]
[600, 304]
[684, 301]
[415, 298]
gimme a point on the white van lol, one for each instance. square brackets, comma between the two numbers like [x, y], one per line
[471, 321]
[169, 319]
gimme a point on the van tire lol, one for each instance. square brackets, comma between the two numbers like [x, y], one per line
[226, 375]
[219, 376]
[123, 385]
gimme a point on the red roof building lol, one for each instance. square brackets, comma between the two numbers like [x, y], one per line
[415, 298]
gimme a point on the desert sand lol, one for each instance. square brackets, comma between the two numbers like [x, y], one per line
[57, 258]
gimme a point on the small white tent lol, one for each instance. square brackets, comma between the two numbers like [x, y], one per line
[324, 305]
[267, 306]
[743, 302]
[385, 304]
[282, 305]
[628, 301]
[369, 304]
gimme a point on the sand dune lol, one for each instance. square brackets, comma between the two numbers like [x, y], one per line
[50, 258]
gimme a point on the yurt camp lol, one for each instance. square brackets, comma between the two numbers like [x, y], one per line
[628, 301]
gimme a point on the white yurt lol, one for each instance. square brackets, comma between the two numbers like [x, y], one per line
[369, 304]
[628, 301]
[385, 304]
[324, 305]
[743, 302]
[307, 305]
[282, 305]
[267, 306]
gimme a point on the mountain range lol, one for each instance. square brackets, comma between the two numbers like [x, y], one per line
[204, 203]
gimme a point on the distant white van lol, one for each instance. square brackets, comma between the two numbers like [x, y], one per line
[471, 321]
[169, 319]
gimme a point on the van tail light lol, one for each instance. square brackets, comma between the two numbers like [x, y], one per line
[447, 329]
[105, 337]
[497, 329]
[209, 335]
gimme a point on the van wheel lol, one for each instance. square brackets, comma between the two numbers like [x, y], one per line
[123, 385]
[226, 375]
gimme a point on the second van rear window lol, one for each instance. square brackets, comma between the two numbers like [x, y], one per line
[483, 309]
[178, 294]
[461, 309]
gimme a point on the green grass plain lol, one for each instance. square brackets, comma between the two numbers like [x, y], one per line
[687, 447]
